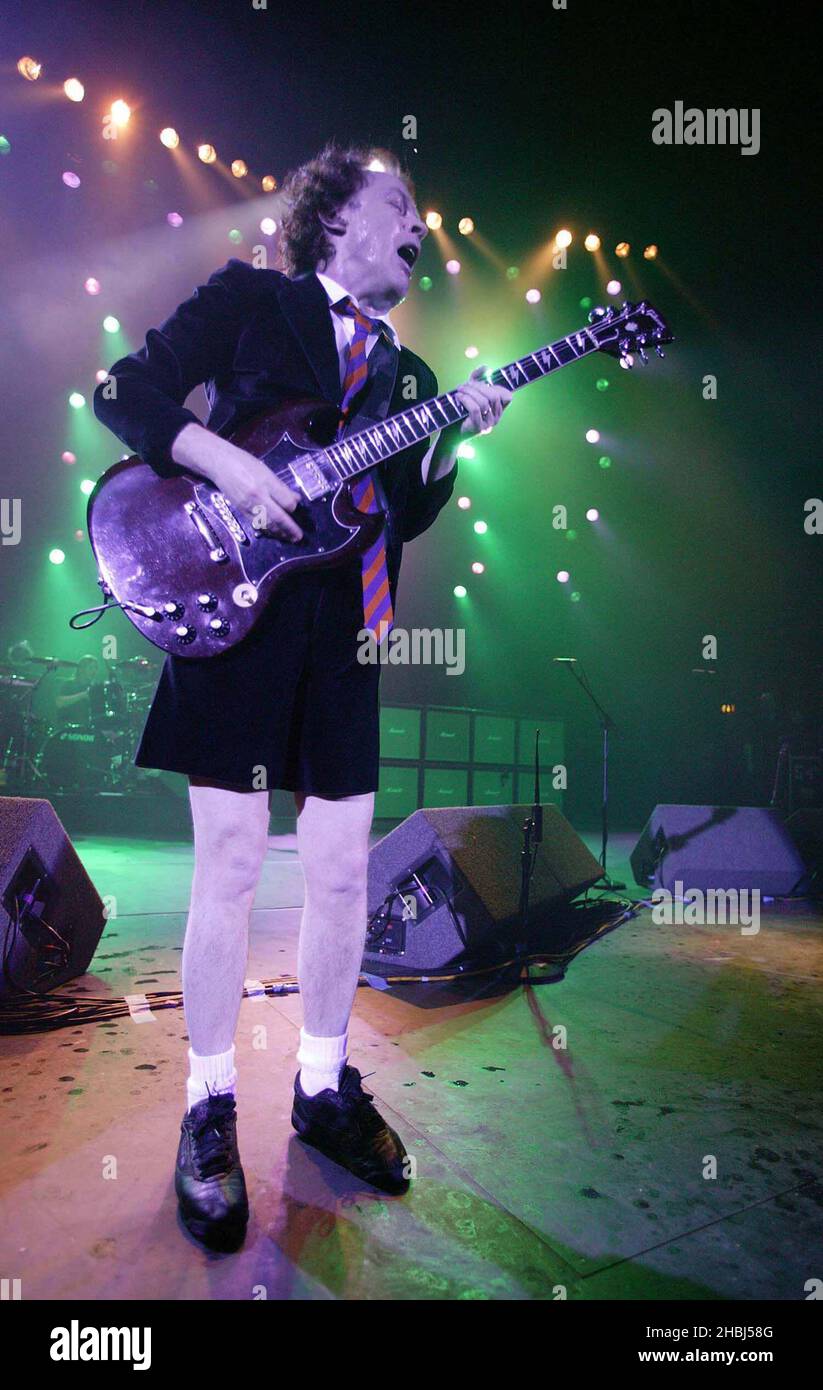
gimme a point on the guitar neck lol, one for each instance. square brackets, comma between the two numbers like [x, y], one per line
[363, 449]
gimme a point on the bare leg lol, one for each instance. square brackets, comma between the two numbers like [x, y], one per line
[230, 829]
[333, 844]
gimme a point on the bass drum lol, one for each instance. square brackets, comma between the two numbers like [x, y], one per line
[77, 758]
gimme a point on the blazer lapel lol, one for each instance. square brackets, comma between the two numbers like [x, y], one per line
[306, 308]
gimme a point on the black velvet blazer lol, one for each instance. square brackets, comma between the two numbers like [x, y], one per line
[255, 338]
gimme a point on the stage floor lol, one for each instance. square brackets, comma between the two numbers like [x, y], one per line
[539, 1170]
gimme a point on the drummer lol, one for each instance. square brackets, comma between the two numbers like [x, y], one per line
[73, 702]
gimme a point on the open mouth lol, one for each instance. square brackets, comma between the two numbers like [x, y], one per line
[408, 254]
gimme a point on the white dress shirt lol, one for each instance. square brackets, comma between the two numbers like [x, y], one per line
[344, 332]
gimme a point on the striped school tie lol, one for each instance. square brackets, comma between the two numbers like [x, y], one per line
[378, 615]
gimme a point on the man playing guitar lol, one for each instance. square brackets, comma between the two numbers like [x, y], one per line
[290, 706]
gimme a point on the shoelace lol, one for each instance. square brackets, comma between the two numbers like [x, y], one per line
[211, 1146]
[352, 1089]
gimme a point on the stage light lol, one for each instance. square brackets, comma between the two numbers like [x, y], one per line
[592, 242]
[376, 165]
[57, 556]
[78, 535]
[92, 286]
[533, 296]
[68, 457]
[460, 591]
[575, 596]
[592, 514]
[111, 324]
[627, 361]
[74, 89]
[727, 709]
[268, 226]
[452, 267]
[650, 252]
[571, 534]
[87, 486]
[269, 183]
[481, 527]
[5, 147]
[239, 168]
[235, 235]
[471, 351]
[563, 576]
[613, 287]
[434, 221]
[425, 282]
[174, 219]
[478, 567]
[564, 238]
[466, 226]
[622, 248]
[593, 436]
[465, 450]
[207, 153]
[70, 179]
[77, 400]
[604, 461]
[169, 137]
[29, 68]
[464, 502]
[512, 272]
[602, 383]
[101, 376]
[120, 113]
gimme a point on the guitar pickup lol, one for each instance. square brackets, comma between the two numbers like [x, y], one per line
[309, 478]
[216, 551]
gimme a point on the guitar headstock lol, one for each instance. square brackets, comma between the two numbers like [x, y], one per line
[633, 328]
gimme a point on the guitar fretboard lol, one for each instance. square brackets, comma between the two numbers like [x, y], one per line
[357, 452]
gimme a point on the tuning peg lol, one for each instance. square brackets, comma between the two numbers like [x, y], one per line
[658, 349]
[644, 357]
[598, 313]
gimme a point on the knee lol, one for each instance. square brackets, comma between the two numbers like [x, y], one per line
[338, 874]
[229, 863]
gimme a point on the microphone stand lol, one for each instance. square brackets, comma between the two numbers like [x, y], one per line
[532, 834]
[606, 723]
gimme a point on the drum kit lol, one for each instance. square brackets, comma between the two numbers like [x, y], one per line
[85, 747]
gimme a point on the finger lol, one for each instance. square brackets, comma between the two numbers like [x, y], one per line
[270, 516]
[284, 495]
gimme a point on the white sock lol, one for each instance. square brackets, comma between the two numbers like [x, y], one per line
[210, 1076]
[321, 1062]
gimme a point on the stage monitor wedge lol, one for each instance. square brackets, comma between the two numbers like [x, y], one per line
[451, 876]
[717, 847]
[51, 915]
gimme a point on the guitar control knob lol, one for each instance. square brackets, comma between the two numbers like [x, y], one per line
[185, 633]
[207, 602]
[173, 609]
[218, 627]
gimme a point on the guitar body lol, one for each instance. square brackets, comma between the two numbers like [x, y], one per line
[194, 576]
[167, 545]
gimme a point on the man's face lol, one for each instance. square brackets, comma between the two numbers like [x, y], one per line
[382, 239]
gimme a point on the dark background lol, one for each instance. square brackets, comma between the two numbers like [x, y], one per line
[528, 120]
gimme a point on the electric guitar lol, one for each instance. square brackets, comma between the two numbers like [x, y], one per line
[194, 576]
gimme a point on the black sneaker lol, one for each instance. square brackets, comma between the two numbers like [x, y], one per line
[208, 1179]
[345, 1126]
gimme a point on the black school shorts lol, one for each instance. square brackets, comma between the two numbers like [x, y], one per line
[291, 698]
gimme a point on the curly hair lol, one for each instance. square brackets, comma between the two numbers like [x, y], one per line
[320, 188]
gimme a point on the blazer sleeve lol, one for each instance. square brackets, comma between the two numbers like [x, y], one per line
[425, 500]
[145, 409]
